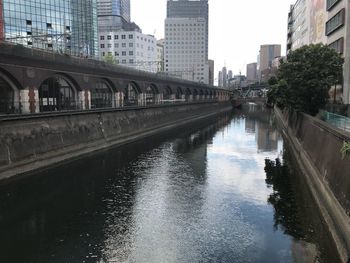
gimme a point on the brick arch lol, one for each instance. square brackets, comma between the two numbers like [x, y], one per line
[9, 93]
[102, 93]
[58, 92]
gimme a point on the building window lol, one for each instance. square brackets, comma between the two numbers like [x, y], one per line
[29, 22]
[48, 25]
[131, 53]
[331, 4]
[116, 37]
[116, 53]
[335, 22]
[116, 45]
[123, 44]
[109, 37]
[131, 36]
[338, 45]
[102, 45]
[123, 53]
[131, 61]
[124, 61]
[109, 45]
[123, 37]
[102, 37]
[103, 54]
[131, 44]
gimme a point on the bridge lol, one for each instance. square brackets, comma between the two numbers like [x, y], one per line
[34, 81]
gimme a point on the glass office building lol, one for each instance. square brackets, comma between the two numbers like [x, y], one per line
[64, 26]
[113, 14]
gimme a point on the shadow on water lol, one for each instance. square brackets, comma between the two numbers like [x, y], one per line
[295, 212]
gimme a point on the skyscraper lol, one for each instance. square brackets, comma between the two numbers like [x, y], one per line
[186, 40]
[113, 14]
[266, 56]
[62, 26]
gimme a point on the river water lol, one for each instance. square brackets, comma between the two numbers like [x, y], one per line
[214, 193]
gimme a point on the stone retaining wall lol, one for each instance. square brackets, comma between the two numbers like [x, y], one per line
[316, 147]
[27, 144]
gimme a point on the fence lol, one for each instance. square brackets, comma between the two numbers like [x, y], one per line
[336, 120]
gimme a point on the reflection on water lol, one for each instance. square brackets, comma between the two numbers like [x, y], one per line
[194, 195]
[295, 212]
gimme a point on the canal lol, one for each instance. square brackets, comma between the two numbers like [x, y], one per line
[223, 192]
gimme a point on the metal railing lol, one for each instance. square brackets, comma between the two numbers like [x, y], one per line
[339, 121]
[8, 108]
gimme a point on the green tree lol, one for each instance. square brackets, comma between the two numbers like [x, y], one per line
[305, 78]
[110, 59]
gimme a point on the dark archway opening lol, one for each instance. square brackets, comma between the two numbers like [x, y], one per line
[7, 98]
[131, 95]
[57, 94]
[101, 96]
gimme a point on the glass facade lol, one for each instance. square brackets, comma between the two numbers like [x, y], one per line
[64, 26]
[113, 14]
[1, 22]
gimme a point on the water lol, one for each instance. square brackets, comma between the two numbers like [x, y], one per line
[195, 195]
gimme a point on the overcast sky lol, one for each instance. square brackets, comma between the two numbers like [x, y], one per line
[237, 28]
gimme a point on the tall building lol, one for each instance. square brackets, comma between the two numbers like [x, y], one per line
[266, 56]
[306, 23]
[186, 40]
[113, 14]
[338, 37]
[229, 75]
[252, 74]
[220, 79]
[224, 77]
[211, 72]
[322, 21]
[190, 9]
[63, 26]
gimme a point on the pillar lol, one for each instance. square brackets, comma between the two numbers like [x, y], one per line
[29, 101]
[84, 100]
[119, 99]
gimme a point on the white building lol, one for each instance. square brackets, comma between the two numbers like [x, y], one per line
[130, 48]
[185, 49]
[160, 55]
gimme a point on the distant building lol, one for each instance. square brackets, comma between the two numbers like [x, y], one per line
[130, 48]
[238, 81]
[252, 74]
[211, 72]
[63, 26]
[266, 55]
[224, 77]
[160, 55]
[229, 75]
[113, 15]
[220, 79]
[186, 40]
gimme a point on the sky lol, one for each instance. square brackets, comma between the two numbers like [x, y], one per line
[237, 28]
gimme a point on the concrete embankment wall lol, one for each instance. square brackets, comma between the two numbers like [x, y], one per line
[316, 147]
[27, 144]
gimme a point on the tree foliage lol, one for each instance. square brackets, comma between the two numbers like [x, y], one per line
[110, 59]
[305, 78]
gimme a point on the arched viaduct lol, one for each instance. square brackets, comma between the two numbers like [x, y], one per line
[33, 81]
